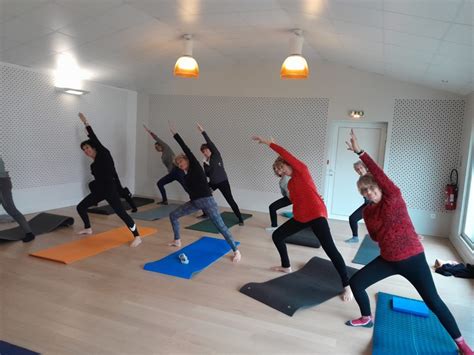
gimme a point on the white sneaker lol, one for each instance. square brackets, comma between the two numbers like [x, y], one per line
[136, 242]
[270, 229]
[86, 231]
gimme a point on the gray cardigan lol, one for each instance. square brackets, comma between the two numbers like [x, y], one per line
[167, 156]
[3, 172]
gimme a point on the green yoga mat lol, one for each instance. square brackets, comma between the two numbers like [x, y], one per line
[367, 252]
[230, 219]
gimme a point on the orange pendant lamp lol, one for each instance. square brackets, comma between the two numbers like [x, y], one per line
[186, 66]
[295, 66]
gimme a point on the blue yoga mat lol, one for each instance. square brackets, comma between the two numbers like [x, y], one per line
[367, 252]
[202, 253]
[407, 305]
[10, 349]
[398, 333]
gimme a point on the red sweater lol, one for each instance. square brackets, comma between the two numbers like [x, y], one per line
[307, 204]
[388, 221]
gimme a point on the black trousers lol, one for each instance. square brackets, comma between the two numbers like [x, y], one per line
[224, 188]
[123, 192]
[354, 219]
[416, 270]
[275, 206]
[321, 229]
[112, 197]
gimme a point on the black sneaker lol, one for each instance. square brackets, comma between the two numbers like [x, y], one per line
[28, 238]
[162, 203]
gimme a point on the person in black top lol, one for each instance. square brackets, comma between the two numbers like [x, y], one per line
[104, 187]
[200, 196]
[214, 168]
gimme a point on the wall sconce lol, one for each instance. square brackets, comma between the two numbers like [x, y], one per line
[356, 114]
[77, 92]
[68, 76]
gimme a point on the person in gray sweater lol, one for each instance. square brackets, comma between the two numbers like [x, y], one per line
[167, 158]
[6, 200]
[282, 202]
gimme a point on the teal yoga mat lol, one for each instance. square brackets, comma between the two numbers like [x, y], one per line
[155, 213]
[202, 253]
[397, 333]
[367, 252]
[230, 219]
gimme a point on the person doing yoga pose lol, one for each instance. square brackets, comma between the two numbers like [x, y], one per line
[284, 201]
[167, 158]
[200, 196]
[104, 186]
[309, 210]
[6, 200]
[356, 216]
[401, 252]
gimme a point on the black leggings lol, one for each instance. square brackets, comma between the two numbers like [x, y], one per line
[224, 188]
[275, 206]
[112, 197]
[321, 229]
[416, 270]
[354, 219]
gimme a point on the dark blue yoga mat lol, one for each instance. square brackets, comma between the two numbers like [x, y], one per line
[202, 253]
[398, 333]
[367, 252]
[10, 349]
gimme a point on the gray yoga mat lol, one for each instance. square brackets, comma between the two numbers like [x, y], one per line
[305, 238]
[40, 224]
[4, 218]
[317, 282]
[155, 213]
[108, 210]
[367, 252]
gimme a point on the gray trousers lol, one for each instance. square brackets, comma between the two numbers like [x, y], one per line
[6, 200]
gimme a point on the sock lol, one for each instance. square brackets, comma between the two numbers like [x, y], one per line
[28, 237]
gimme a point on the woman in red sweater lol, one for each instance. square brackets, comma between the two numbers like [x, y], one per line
[401, 253]
[309, 210]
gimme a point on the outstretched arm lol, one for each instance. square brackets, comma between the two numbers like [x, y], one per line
[210, 144]
[156, 138]
[287, 156]
[379, 175]
[90, 131]
[184, 147]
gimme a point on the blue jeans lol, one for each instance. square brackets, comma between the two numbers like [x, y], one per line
[176, 174]
[209, 206]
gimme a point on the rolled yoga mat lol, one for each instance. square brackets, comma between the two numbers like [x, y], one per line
[367, 252]
[10, 349]
[230, 220]
[202, 253]
[107, 210]
[155, 213]
[317, 282]
[398, 333]
[90, 246]
[40, 224]
[306, 238]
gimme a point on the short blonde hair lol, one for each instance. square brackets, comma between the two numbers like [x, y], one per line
[279, 162]
[359, 163]
[179, 157]
[365, 182]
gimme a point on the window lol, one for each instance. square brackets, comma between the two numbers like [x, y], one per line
[468, 225]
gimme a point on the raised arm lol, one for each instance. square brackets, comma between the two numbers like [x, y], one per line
[90, 131]
[210, 144]
[379, 175]
[184, 147]
[287, 156]
[157, 139]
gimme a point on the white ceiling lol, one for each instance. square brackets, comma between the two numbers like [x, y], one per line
[131, 43]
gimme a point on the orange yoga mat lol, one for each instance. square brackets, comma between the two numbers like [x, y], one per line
[90, 246]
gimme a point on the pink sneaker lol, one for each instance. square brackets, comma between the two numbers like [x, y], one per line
[365, 322]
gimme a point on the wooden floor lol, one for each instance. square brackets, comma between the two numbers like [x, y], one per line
[108, 305]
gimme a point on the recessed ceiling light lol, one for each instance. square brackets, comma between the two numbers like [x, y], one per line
[444, 81]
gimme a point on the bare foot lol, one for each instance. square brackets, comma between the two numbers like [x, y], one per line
[236, 257]
[136, 242]
[347, 295]
[285, 270]
[176, 243]
[85, 231]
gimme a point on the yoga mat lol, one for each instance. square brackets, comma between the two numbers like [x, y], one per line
[40, 224]
[155, 213]
[287, 214]
[6, 219]
[10, 349]
[398, 333]
[230, 219]
[367, 252]
[90, 246]
[202, 253]
[107, 210]
[305, 238]
[317, 282]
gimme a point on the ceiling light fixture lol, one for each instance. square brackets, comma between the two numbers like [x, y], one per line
[186, 66]
[295, 66]
[356, 114]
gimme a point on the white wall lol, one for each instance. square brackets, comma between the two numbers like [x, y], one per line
[40, 135]
[345, 88]
[466, 157]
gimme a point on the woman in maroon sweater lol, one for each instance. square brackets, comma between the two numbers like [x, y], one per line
[309, 210]
[401, 252]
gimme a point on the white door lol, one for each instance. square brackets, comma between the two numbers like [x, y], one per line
[342, 197]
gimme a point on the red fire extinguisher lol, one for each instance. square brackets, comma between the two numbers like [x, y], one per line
[451, 192]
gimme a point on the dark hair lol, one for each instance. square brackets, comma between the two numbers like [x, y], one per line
[88, 142]
[204, 146]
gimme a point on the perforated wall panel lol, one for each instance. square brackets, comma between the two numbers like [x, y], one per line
[40, 132]
[425, 146]
[298, 124]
